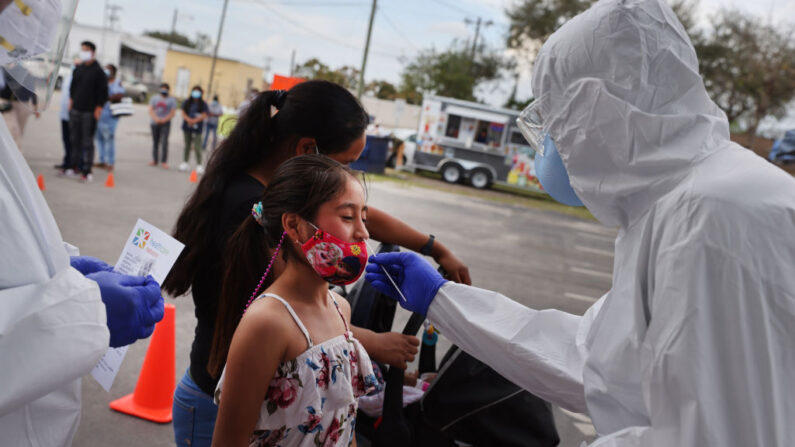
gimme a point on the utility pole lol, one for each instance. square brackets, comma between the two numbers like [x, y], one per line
[215, 51]
[477, 34]
[292, 63]
[113, 16]
[360, 88]
[104, 27]
[173, 27]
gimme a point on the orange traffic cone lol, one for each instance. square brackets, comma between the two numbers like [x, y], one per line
[154, 391]
[110, 183]
[40, 181]
[193, 177]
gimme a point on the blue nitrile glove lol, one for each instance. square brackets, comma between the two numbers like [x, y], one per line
[415, 277]
[87, 264]
[133, 305]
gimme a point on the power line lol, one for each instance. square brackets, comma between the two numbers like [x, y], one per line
[397, 31]
[454, 6]
[304, 3]
[301, 26]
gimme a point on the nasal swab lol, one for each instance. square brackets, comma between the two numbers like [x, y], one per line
[388, 276]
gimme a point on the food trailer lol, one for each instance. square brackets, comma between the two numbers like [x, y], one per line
[474, 143]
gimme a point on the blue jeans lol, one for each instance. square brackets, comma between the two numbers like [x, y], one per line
[210, 128]
[106, 139]
[194, 414]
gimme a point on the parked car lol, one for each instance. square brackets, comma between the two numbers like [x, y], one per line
[63, 72]
[134, 88]
[783, 150]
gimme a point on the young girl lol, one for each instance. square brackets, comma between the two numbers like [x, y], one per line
[313, 116]
[294, 370]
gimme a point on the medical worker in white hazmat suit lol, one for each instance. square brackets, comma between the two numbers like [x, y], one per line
[694, 345]
[56, 320]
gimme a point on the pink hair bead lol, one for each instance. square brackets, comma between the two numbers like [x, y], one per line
[267, 270]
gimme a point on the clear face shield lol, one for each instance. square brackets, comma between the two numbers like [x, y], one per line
[33, 37]
[532, 122]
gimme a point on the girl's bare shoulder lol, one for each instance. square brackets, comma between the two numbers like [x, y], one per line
[266, 317]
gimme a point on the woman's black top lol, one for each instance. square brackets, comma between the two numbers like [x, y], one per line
[239, 197]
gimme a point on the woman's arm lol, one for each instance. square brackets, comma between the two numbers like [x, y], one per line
[385, 228]
[392, 348]
[250, 366]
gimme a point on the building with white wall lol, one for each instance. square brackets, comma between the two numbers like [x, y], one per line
[392, 114]
[142, 57]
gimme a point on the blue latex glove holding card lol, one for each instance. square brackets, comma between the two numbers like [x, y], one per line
[133, 303]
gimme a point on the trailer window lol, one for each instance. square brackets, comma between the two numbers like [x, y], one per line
[489, 133]
[518, 138]
[453, 126]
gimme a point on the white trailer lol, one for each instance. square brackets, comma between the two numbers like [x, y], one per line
[476, 143]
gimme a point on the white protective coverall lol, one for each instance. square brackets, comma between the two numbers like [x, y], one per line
[695, 343]
[52, 319]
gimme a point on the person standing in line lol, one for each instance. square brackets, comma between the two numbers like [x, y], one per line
[88, 94]
[162, 108]
[194, 112]
[247, 101]
[65, 137]
[106, 128]
[213, 113]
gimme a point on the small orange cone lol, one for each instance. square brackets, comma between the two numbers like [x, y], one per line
[40, 181]
[110, 183]
[193, 177]
[154, 391]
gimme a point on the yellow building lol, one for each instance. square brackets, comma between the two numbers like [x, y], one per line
[185, 68]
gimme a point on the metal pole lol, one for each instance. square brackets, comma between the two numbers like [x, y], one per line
[292, 64]
[475, 42]
[104, 27]
[215, 51]
[360, 87]
[173, 28]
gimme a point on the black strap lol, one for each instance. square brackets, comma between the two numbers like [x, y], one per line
[428, 247]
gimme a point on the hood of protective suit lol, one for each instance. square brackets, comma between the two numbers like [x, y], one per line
[625, 105]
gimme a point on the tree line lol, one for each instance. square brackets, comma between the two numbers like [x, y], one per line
[748, 66]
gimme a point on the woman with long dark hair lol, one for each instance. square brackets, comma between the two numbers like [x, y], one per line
[313, 117]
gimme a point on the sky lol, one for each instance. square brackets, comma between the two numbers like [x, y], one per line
[266, 32]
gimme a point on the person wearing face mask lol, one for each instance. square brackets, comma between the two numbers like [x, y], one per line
[162, 108]
[58, 314]
[194, 112]
[88, 94]
[693, 345]
[106, 128]
[64, 113]
[213, 113]
[294, 369]
[312, 117]
[247, 101]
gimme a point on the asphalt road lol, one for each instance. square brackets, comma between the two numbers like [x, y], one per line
[539, 258]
